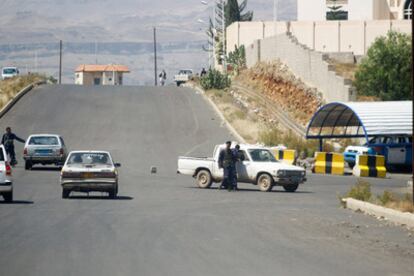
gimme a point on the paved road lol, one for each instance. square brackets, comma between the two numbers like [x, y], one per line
[161, 224]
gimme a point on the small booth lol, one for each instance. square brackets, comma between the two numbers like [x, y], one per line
[386, 125]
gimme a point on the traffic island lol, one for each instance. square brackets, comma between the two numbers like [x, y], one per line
[397, 217]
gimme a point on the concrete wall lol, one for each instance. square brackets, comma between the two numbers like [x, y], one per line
[308, 65]
[322, 36]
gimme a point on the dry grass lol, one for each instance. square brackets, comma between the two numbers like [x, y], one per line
[10, 87]
[246, 124]
[362, 191]
[346, 70]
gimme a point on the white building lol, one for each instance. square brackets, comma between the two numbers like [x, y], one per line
[92, 74]
[317, 10]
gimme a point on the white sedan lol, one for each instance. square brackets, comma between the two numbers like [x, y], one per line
[89, 171]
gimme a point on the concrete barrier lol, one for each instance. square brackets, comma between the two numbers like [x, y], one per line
[329, 163]
[370, 166]
[285, 156]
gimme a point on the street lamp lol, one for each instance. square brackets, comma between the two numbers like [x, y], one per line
[213, 40]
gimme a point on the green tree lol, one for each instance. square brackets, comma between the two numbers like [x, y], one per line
[386, 70]
[335, 12]
[234, 12]
[237, 58]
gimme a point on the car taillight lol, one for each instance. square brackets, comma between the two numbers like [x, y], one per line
[8, 169]
[25, 151]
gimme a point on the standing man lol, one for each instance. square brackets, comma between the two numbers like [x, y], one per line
[163, 77]
[8, 141]
[203, 72]
[227, 161]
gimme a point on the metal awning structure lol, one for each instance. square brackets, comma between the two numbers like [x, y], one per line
[361, 119]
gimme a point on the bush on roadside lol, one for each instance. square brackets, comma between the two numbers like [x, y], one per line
[361, 191]
[274, 136]
[214, 80]
[386, 70]
[386, 197]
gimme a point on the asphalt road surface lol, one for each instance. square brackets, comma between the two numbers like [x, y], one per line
[162, 224]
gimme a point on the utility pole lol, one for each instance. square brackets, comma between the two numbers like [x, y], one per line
[60, 62]
[412, 91]
[155, 57]
[223, 26]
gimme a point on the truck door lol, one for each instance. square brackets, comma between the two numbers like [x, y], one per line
[242, 167]
[396, 151]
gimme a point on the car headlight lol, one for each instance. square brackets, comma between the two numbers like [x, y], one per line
[303, 173]
[281, 173]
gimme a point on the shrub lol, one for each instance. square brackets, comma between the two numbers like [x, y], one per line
[386, 198]
[361, 191]
[274, 136]
[214, 80]
[386, 70]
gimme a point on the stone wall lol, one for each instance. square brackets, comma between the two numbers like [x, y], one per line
[305, 63]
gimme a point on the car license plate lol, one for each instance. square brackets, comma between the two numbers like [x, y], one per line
[43, 152]
[88, 175]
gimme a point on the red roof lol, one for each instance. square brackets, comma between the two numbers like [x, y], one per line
[102, 68]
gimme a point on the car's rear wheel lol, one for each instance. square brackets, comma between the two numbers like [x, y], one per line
[291, 187]
[28, 165]
[265, 182]
[8, 196]
[65, 193]
[204, 180]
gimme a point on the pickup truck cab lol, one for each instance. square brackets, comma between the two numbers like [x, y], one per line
[6, 183]
[259, 167]
[183, 76]
[9, 72]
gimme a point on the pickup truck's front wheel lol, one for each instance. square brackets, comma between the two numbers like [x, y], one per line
[204, 179]
[265, 182]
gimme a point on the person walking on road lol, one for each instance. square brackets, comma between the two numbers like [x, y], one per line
[227, 161]
[163, 77]
[8, 141]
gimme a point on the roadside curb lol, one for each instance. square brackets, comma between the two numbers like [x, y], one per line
[18, 96]
[394, 216]
[217, 110]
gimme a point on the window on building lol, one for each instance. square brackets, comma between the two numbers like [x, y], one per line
[408, 10]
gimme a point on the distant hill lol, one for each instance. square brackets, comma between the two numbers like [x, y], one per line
[30, 30]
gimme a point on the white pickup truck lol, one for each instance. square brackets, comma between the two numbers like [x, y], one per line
[183, 76]
[6, 184]
[259, 168]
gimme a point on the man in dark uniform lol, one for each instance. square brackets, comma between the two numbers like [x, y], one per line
[8, 141]
[227, 161]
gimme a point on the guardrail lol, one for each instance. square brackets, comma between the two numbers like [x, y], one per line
[18, 96]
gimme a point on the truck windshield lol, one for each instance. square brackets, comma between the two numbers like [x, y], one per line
[9, 71]
[261, 155]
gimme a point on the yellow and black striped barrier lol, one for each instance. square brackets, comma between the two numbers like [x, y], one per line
[286, 156]
[370, 166]
[329, 163]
